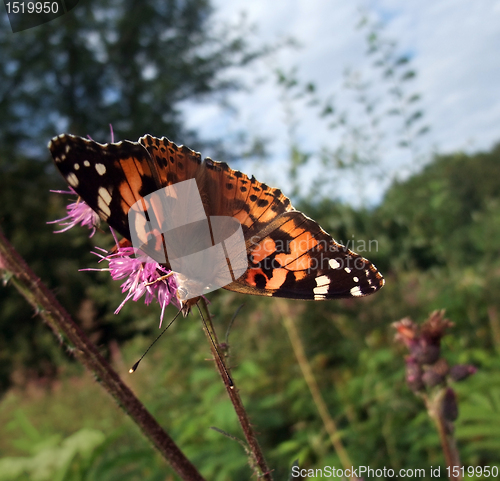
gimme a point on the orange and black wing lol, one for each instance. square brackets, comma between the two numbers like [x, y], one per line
[172, 163]
[112, 177]
[289, 254]
[232, 193]
[294, 257]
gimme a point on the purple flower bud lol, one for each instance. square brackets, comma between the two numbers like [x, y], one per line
[425, 353]
[449, 406]
[407, 331]
[432, 378]
[435, 327]
[414, 375]
[436, 374]
[461, 371]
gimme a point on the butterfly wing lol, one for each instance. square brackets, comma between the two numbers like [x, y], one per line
[172, 163]
[110, 178]
[233, 193]
[289, 254]
[294, 257]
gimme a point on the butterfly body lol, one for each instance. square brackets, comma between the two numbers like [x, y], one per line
[289, 254]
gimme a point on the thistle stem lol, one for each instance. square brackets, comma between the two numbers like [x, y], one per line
[234, 396]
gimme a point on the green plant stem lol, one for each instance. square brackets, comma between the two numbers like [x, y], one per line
[495, 326]
[446, 438]
[234, 396]
[47, 306]
[307, 372]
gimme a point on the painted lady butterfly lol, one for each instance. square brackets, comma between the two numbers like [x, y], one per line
[289, 254]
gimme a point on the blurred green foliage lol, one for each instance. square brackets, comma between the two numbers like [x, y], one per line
[435, 237]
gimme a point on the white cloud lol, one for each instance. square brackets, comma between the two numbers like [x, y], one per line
[454, 44]
[458, 64]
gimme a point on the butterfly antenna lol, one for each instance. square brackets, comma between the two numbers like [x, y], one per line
[136, 365]
[223, 364]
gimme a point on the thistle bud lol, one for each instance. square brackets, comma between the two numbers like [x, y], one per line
[461, 371]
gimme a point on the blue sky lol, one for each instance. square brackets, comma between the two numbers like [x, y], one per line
[455, 50]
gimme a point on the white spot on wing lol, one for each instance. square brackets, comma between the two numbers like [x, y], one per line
[101, 169]
[356, 291]
[355, 279]
[347, 269]
[105, 195]
[86, 163]
[334, 263]
[103, 207]
[67, 148]
[140, 225]
[72, 180]
[322, 283]
[76, 166]
[319, 297]
[320, 290]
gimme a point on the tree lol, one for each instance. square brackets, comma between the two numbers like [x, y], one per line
[128, 63]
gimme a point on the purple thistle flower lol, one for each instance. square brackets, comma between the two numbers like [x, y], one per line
[425, 368]
[143, 276]
[78, 213]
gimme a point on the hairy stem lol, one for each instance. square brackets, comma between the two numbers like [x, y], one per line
[47, 306]
[253, 444]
